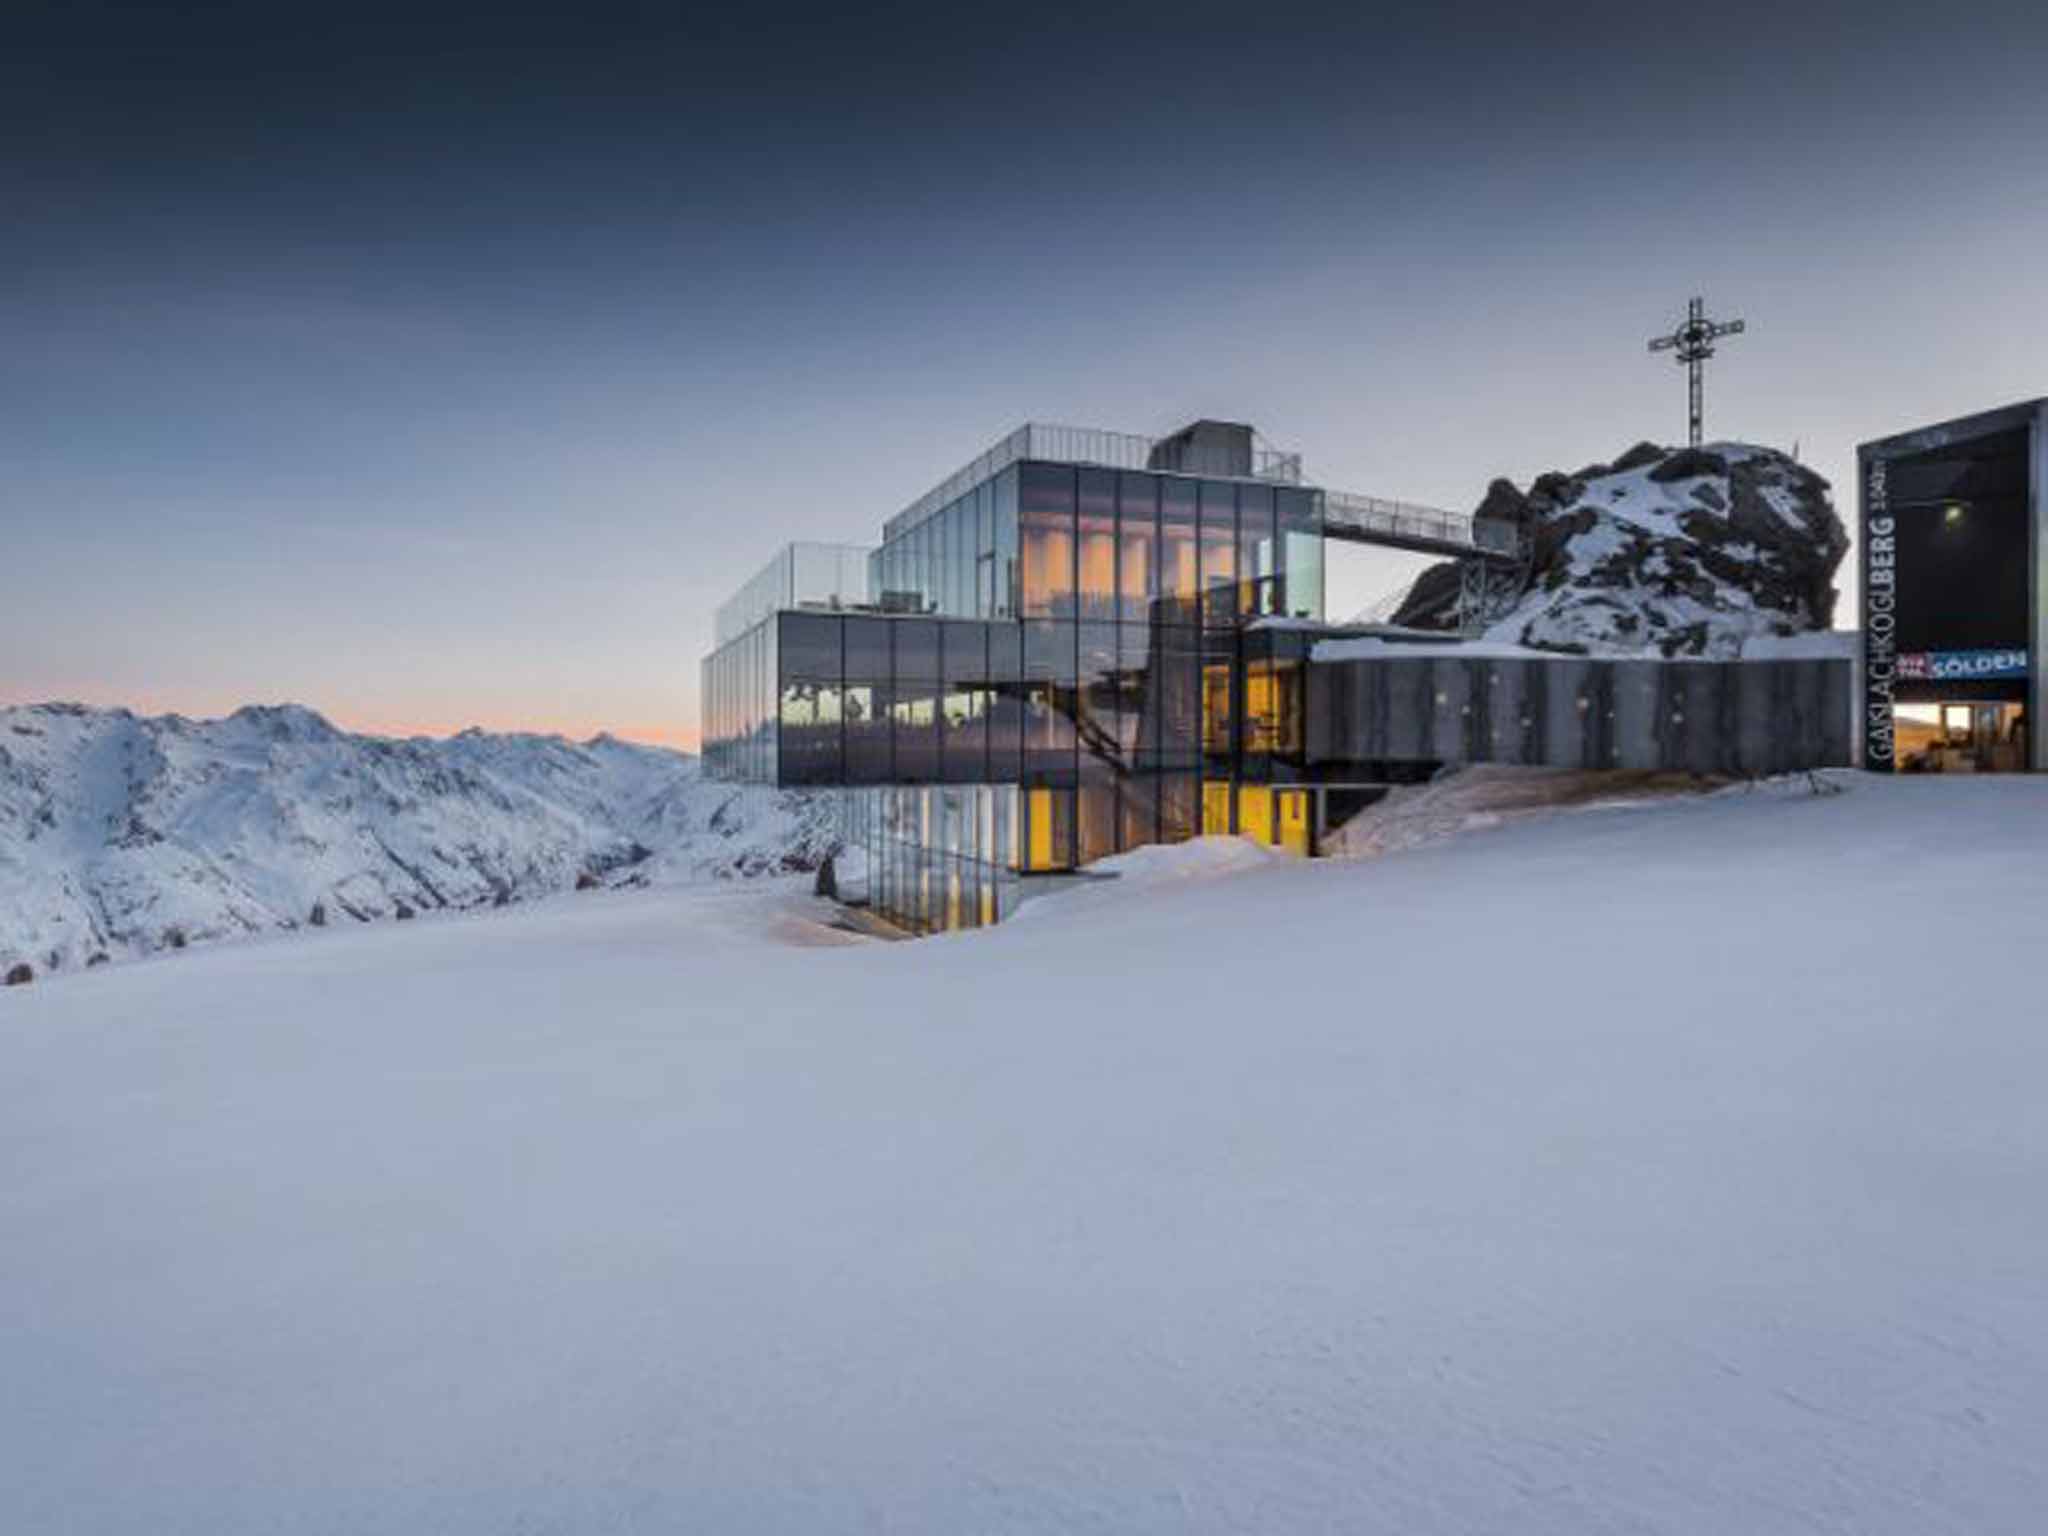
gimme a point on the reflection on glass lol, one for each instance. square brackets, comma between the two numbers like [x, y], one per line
[1137, 576]
[1096, 526]
[1179, 543]
[1046, 535]
[1257, 552]
[1219, 552]
[1301, 553]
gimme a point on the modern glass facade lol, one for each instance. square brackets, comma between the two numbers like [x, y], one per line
[938, 857]
[1055, 663]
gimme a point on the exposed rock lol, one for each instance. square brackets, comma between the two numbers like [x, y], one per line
[19, 975]
[1678, 552]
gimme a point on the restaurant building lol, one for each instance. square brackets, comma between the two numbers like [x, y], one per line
[1086, 642]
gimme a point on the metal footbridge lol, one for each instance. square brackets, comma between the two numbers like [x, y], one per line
[1494, 556]
[1418, 529]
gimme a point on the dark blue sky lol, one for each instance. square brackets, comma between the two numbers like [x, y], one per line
[448, 364]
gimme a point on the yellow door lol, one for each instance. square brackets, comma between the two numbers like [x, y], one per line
[1294, 827]
[1255, 814]
[1039, 816]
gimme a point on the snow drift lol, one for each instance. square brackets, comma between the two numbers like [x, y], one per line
[1676, 552]
[1601, 1174]
[121, 836]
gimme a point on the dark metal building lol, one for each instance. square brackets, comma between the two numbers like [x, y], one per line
[1955, 593]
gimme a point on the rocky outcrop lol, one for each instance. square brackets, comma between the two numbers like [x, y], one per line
[1677, 552]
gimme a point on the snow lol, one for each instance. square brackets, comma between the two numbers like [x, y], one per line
[1490, 795]
[1814, 644]
[122, 836]
[1372, 647]
[1674, 1169]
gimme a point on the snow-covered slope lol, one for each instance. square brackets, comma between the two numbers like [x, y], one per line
[1680, 552]
[1607, 1174]
[121, 835]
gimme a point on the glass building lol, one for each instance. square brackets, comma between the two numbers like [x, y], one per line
[1049, 659]
[1084, 642]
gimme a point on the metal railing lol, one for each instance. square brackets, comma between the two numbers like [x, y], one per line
[1406, 520]
[829, 575]
[1069, 445]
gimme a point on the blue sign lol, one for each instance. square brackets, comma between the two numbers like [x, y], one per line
[1961, 666]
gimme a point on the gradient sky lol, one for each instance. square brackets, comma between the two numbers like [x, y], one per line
[448, 364]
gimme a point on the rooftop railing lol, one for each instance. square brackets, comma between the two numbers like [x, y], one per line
[1069, 445]
[799, 575]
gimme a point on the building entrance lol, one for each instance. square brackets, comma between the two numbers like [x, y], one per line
[1971, 736]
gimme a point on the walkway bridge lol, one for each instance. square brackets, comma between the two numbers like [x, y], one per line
[1493, 557]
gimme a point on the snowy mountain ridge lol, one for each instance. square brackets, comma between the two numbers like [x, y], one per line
[122, 835]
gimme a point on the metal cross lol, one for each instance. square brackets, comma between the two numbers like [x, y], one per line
[1694, 344]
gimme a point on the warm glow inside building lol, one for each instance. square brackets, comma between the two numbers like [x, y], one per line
[1048, 660]
[1085, 642]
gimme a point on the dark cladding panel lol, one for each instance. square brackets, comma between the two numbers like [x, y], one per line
[1640, 699]
[1580, 712]
[1954, 569]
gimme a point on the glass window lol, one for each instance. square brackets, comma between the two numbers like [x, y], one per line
[810, 725]
[1179, 562]
[865, 703]
[1049, 682]
[1180, 814]
[914, 720]
[1219, 552]
[1008, 576]
[867, 648]
[1095, 523]
[1301, 556]
[964, 703]
[866, 711]
[1045, 531]
[1176, 686]
[1219, 706]
[1137, 573]
[810, 645]
[1138, 811]
[1136, 729]
[1257, 553]
[925, 544]
[959, 559]
[984, 550]
[1006, 702]
[1095, 821]
[917, 650]
[1096, 697]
